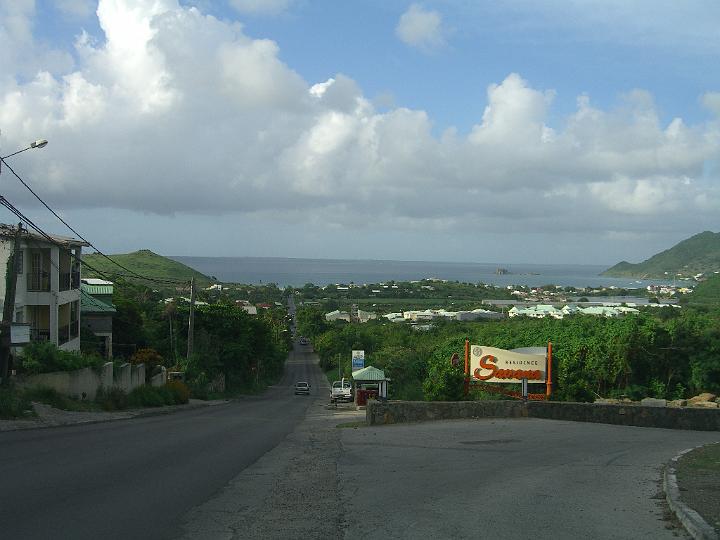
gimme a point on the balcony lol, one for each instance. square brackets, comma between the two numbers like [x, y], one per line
[68, 332]
[40, 334]
[38, 282]
[69, 280]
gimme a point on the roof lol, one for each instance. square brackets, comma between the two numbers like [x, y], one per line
[97, 289]
[369, 374]
[90, 304]
[8, 231]
[96, 281]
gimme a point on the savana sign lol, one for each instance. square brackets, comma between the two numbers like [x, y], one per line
[492, 365]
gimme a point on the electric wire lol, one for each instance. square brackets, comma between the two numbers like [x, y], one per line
[132, 272]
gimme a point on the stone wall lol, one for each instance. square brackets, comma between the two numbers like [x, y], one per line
[392, 412]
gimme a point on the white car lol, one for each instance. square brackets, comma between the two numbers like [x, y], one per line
[302, 388]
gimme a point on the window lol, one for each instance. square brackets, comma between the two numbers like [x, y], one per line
[19, 262]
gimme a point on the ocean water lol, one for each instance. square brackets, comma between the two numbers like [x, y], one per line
[297, 272]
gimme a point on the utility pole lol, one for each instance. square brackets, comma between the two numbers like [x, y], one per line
[9, 307]
[191, 322]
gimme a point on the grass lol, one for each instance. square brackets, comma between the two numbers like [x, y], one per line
[705, 459]
[353, 425]
[52, 397]
[14, 404]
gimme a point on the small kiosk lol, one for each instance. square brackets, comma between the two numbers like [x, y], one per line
[370, 382]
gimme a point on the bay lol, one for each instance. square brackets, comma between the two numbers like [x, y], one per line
[297, 272]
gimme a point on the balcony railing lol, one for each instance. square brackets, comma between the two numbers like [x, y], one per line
[69, 280]
[40, 334]
[68, 332]
[38, 282]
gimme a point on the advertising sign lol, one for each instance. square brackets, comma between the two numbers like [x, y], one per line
[358, 360]
[489, 364]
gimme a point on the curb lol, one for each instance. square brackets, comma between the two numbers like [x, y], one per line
[694, 524]
[126, 415]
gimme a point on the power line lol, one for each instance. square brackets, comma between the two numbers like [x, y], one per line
[132, 272]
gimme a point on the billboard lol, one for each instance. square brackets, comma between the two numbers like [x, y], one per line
[489, 364]
[358, 360]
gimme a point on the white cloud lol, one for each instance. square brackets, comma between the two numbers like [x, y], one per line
[76, 8]
[420, 28]
[261, 7]
[711, 100]
[179, 112]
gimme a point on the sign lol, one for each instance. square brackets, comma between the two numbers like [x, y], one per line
[358, 360]
[19, 334]
[492, 365]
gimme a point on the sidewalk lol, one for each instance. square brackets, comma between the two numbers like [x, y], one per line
[698, 479]
[50, 417]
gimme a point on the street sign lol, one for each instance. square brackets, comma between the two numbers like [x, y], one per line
[358, 360]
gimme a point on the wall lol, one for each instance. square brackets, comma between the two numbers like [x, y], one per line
[392, 412]
[84, 383]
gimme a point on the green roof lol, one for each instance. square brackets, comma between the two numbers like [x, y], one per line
[97, 289]
[369, 374]
[89, 304]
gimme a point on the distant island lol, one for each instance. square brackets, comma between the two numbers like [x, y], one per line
[697, 257]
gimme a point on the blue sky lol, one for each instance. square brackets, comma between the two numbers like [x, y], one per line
[547, 131]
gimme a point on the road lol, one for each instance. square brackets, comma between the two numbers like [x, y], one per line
[137, 478]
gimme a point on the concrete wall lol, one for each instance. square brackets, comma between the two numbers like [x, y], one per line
[84, 383]
[392, 412]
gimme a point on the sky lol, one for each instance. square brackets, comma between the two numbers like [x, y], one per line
[526, 131]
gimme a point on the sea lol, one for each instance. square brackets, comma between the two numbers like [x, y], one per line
[297, 272]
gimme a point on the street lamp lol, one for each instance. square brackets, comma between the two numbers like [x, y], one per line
[40, 143]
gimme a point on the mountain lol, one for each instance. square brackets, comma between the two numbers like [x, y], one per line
[699, 254]
[707, 292]
[147, 264]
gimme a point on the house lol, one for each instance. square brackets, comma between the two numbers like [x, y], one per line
[47, 274]
[98, 310]
[337, 315]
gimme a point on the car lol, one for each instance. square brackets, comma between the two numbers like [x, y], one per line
[302, 388]
[304, 341]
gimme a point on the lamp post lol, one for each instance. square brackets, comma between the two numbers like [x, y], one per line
[40, 143]
[11, 280]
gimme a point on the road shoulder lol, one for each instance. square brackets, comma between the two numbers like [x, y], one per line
[692, 488]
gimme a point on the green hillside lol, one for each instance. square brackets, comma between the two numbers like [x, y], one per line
[143, 262]
[697, 255]
[707, 292]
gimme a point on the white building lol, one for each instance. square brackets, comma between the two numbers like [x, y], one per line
[47, 295]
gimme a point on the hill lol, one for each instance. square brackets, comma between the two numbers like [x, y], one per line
[699, 254]
[143, 262]
[707, 292]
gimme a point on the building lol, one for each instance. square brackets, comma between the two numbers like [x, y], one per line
[47, 274]
[97, 310]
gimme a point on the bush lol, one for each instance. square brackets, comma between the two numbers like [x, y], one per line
[112, 399]
[147, 356]
[45, 357]
[50, 396]
[146, 396]
[180, 391]
[13, 404]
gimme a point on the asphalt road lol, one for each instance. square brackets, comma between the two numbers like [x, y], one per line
[137, 478]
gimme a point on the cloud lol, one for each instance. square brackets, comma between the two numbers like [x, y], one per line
[76, 8]
[178, 112]
[420, 28]
[261, 7]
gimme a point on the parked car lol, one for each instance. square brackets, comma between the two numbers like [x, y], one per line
[341, 391]
[304, 341]
[302, 388]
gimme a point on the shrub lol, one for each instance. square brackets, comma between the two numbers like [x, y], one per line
[112, 399]
[147, 356]
[13, 404]
[180, 391]
[45, 357]
[146, 396]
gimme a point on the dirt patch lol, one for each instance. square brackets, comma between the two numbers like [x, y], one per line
[698, 474]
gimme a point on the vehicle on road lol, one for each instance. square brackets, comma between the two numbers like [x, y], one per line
[341, 391]
[302, 388]
[304, 341]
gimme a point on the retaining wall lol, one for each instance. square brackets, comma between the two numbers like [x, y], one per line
[84, 383]
[393, 412]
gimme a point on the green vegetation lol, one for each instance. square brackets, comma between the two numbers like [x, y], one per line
[697, 255]
[145, 263]
[667, 353]
[14, 404]
[706, 293]
[44, 357]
